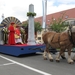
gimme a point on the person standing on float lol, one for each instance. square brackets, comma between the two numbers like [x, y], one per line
[4, 34]
[11, 36]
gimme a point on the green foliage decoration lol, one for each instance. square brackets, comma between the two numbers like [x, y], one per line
[31, 14]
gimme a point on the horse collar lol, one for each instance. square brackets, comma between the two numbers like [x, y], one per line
[71, 37]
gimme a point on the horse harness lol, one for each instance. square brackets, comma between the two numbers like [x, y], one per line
[57, 39]
[71, 36]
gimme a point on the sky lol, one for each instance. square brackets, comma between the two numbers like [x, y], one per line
[19, 8]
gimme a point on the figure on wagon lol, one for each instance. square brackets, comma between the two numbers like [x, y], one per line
[4, 33]
[11, 37]
[18, 39]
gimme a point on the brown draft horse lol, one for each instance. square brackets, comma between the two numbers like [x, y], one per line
[64, 41]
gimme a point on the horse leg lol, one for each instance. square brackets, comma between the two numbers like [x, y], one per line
[63, 55]
[46, 51]
[45, 55]
[59, 54]
[69, 57]
[50, 56]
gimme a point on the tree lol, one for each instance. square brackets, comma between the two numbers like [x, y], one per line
[37, 26]
[25, 24]
[58, 25]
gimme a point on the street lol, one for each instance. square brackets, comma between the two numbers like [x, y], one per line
[34, 64]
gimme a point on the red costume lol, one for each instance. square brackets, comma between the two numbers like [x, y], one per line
[17, 31]
[11, 37]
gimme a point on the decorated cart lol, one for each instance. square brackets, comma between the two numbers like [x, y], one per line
[17, 50]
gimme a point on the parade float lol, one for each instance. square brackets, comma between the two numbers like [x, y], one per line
[19, 49]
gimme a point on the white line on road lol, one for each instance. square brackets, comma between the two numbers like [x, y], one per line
[6, 64]
[28, 67]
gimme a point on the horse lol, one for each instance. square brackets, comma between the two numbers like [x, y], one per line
[64, 41]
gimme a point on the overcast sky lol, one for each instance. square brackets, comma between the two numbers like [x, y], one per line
[19, 8]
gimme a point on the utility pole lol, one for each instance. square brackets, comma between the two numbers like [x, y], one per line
[44, 5]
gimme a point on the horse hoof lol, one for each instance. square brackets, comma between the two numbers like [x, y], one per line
[51, 60]
[57, 61]
[71, 62]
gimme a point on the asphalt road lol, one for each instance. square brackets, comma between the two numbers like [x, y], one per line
[34, 64]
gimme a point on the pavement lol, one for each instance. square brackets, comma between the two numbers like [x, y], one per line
[34, 64]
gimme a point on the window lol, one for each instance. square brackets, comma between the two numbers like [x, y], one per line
[72, 22]
[66, 17]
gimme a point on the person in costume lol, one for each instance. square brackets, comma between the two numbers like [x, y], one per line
[18, 39]
[4, 34]
[23, 36]
[11, 36]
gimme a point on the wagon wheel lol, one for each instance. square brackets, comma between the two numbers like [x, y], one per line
[8, 20]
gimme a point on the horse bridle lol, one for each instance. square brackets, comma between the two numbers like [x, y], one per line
[70, 35]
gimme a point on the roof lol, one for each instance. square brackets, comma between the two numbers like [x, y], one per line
[70, 13]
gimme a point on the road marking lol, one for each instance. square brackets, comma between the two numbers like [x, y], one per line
[6, 64]
[25, 66]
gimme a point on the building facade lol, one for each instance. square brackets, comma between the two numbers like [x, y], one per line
[68, 16]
